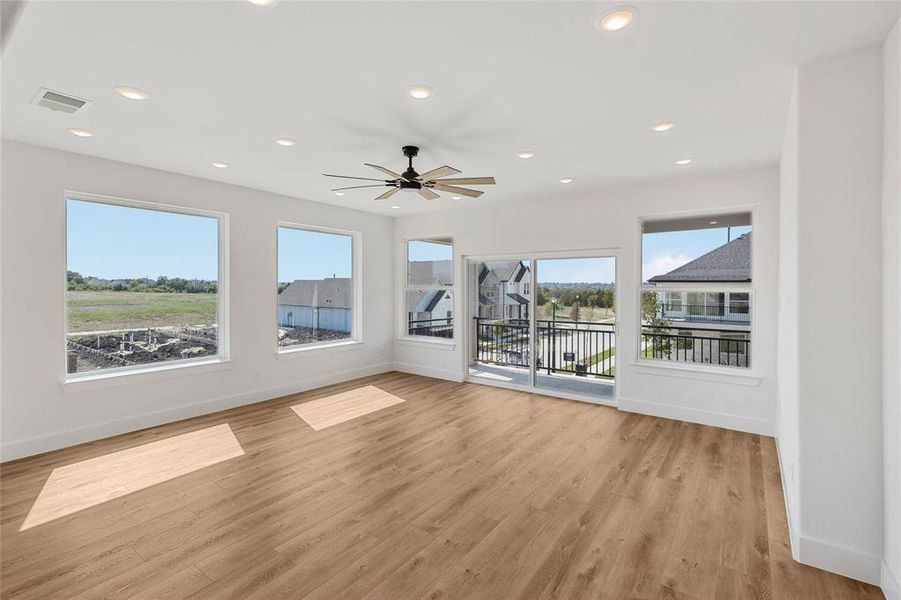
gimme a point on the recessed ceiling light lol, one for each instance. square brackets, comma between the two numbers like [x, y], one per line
[262, 2]
[617, 19]
[526, 154]
[567, 180]
[395, 206]
[131, 93]
[220, 165]
[662, 126]
[84, 133]
[684, 161]
[286, 142]
[714, 222]
[420, 92]
[339, 193]
[456, 197]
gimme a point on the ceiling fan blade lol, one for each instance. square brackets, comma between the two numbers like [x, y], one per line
[469, 181]
[452, 189]
[427, 193]
[388, 194]
[438, 173]
[356, 187]
[386, 171]
[349, 177]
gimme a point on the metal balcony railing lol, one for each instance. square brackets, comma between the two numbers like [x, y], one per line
[441, 328]
[723, 347]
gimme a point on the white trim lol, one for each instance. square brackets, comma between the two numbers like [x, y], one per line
[427, 342]
[662, 368]
[891, 583]
[223, 332]
[841, 560]
[414, 369]
[71, 437]
[289, 352]
[104, 378]
[696, 415]
[356, 273]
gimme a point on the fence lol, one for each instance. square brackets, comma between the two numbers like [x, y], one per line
[441, 328]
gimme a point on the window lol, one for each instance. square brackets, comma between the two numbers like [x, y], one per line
[429, 288]
[696, 290]
[316, 288]
[143, 285]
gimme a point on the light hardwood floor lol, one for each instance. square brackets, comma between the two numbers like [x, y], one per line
[460, 491]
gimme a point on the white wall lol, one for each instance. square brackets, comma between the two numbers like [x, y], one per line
[37, 415]
[833, 413]
[788, 386]
[891, 311]
[609, 219]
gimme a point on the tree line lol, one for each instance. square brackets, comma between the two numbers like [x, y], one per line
[571, 296]
[162, 284]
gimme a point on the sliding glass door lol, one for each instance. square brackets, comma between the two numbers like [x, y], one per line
[545, 323]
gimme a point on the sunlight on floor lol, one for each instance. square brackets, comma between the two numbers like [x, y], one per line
[85, 484]
[336, 409]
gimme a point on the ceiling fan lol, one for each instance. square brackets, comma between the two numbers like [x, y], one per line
[425, 184]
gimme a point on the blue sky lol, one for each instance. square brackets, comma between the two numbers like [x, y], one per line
[118, 242]
[313, 254]
[663, 252]
[577, 270]
[419, 250]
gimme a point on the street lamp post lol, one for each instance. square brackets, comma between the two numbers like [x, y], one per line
[552, 363]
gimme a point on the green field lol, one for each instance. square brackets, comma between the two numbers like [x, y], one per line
[106, 311]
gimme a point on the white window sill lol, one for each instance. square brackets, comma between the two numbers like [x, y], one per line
[99, 380]
[426, 342]
[324, 348]
[710, 373]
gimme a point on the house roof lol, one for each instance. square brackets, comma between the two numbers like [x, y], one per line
[430, 272]
[518, 298]
[729, 262]
[335, 292]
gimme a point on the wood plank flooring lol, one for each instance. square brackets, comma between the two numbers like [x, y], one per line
[459, 491]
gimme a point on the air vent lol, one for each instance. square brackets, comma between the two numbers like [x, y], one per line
[58, 101]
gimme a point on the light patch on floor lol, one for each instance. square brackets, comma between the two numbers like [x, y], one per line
[85, 484]
[337, 409]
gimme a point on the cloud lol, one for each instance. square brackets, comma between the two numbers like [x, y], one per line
[662, 264]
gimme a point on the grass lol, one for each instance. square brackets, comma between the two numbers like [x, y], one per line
[109, 311]
[586, 313]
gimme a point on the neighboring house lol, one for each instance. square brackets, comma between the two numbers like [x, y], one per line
[430, 309]
[730, 263]
[317, 304]
[504, 291]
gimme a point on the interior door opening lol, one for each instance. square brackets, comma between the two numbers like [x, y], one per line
[547, 323]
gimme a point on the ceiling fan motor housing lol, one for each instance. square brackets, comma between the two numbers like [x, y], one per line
[410, 173]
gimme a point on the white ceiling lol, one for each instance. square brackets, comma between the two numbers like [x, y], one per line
[227, 78]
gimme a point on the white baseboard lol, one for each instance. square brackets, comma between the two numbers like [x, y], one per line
[789, 511]
[415, 369]
[71, 437]
[891, 583]
[841, 560]
[695, 415]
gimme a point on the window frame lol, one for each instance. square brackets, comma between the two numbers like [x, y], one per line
[749, 373]
[356, 277]
[403, 334]
[223, 354]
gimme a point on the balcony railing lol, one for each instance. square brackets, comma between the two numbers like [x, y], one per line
[576, 347]
[705, 312]
[440, 328]
[681, 344]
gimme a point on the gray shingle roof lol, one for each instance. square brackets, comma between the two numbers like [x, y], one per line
[431, 272]
[729, 262]
[335, 292]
